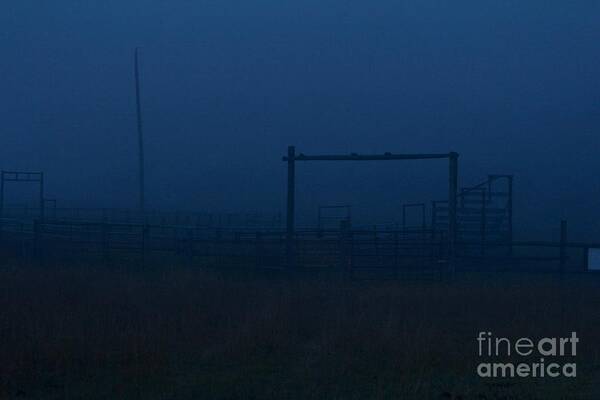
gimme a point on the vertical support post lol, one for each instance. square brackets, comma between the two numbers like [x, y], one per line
[218, 244]
[291, 183]
[345, 250]
[140, 134]
[105, 244]
[258, 250]
[144, 238]
[376, 242]
[1, 195]
[452, 208]
[1, 203]
[423, 225]
[563, 246]
[483, 221]
[190, 233]
[396, 255]
[319, 224]
[42, 206]
[433, 219]
[509, 208]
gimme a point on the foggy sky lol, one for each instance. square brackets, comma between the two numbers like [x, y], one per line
[512, 86]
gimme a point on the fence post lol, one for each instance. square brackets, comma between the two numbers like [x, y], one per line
[483, 221]
[423, 223]
[563, 245]
[38, 242]
[376, 242]
[452, 209]
[510, 215]
[258, 249]
[41, 199]
[144, 238]
[345, 250]
[396, 260]
[1, 204]
[104, 242]
[218, 247]
[191, 245]
[291, 183]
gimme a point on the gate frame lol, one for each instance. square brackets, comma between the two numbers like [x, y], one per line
[291, 159]
[22, 176]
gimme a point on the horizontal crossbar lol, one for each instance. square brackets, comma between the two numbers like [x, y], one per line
[22, 176]
[372, 157]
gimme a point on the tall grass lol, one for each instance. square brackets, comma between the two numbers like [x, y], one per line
[184, 333]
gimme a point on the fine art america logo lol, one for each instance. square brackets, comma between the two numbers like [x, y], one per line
[551, 357]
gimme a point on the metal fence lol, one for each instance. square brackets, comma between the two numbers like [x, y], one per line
[388, 251]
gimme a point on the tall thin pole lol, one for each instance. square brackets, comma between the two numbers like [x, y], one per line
[140, 134]
[41, 194]
[452, 209]
[1, 202]
[510, 215]
[291, 183]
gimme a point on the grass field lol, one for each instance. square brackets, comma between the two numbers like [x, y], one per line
[181, 333]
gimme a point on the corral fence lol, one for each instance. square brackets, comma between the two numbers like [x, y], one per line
[356, 251]
[382, 251]
[16, 212]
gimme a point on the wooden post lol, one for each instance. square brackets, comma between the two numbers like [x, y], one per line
[138, 106]
[105, 239]
[291, 182]
[345, 250]
[258, 249]
[190, 233]
[510, 215]
[1, 203]
[42, 208]
[483, 221]
[452, 209]
[563, 245]
[218, 247]
[1, 194]
[376, 241]
[396, 255]
[319, 224]
[143, 244]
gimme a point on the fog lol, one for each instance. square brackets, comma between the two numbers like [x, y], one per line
[227, 85]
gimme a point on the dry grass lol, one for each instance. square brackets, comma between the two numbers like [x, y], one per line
[81, 333]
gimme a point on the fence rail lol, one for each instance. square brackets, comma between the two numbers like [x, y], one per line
[420, 250]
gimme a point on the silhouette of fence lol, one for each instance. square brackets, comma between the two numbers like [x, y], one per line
[156, 217]
[484, 216]
[345, 250]
[472, 229]
[382, 252]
